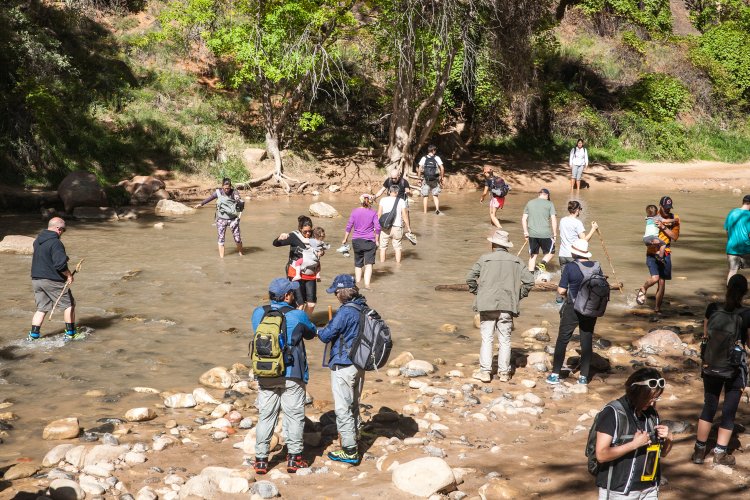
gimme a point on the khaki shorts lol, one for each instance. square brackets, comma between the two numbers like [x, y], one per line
[46, 293]
[394, 234]
[737, 262]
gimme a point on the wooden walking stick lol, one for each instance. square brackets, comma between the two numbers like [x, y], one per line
[522, 247]
[65, 288]
[604, 247]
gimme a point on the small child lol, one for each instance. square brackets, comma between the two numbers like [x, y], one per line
[308, 266]
[651, 236]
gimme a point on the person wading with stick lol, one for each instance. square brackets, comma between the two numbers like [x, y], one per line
[51, 279]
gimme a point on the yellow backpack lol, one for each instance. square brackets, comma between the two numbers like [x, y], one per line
[268, 347]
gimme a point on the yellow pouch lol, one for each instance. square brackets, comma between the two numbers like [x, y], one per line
[651, 464]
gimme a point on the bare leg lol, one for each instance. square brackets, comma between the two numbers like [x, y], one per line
[572, 183]
[368, 275]
[382, 254]
[424, 203]
[661, 287]
[69, 315]
[221, 250]
[532, 262]
[722, 439]
[493, 218]
[239, 248]
[309, 308]
[548, 257]
[704, 429]
[649, 283]
[398, 255]
[437, 202]
[38, 318]
[358, 274]
[731, 273]
[578, 184]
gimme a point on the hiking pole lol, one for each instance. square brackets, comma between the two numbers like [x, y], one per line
[604, 247]
[522, 247]
[325, 346]
[65, 288]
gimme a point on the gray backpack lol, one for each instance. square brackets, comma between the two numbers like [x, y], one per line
[226, 206]
[593, 295]
[373, 344]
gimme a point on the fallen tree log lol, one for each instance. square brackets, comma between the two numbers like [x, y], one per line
[542, 286]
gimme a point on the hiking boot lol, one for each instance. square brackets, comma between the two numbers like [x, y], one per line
[261, 465]
[553, 378]
[349, 457]
[294, 462]
[482, 376]
[33, 336]
[583, 380]
[723, 458]
[73, 335]
[504, 377]
[699, 454]
[542, 267]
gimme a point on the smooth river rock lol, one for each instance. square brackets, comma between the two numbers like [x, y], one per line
[56, 454]
[201, 395]
[81, 189]
[265, 489]
[65, 489]
[65, 428]
[20, 471]
[661, 341]
[499, 489]
[13, 243]
[320, 209]
[180, 400]
[424, 477]
[169, 207]
[140, 414]
[217, 377]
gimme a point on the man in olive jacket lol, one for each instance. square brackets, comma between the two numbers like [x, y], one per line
[500, 280]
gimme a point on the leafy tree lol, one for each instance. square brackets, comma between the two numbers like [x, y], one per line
[708, 13]
[277, 51]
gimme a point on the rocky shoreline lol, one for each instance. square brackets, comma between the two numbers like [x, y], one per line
[429, 431]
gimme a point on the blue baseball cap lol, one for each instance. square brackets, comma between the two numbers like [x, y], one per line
[340, 282]
[281, 286]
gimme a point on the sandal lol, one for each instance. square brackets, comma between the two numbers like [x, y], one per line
[640, 299]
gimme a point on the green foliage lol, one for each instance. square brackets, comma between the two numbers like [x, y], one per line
[573, 117]
[632, 41]
[232, 168]
[655, 15]
[657, 140]
[310, 122]
[724, 51]
[658, 97]
[705, 14]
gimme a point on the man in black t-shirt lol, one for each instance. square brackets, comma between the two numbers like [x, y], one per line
[395, 179]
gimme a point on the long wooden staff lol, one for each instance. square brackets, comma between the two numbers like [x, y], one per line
[522, 247]
[601, 238]
[65, 288]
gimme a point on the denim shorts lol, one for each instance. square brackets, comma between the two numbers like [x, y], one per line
[661, 269]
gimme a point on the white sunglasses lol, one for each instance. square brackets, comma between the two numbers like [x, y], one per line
[652, 383]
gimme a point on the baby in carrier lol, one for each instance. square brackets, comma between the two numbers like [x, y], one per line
[308, 266]
[651, 236]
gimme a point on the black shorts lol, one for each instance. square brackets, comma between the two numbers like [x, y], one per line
[308, 291]
[545, 244]
[364, 252]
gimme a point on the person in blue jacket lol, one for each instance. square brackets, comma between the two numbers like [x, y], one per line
[287, 392]
[346, 379]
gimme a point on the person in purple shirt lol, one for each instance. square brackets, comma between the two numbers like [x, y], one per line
[364, 227]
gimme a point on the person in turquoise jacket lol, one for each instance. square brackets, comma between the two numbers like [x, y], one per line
[737, 226]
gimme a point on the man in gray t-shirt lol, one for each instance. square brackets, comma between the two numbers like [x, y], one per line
[539, 223]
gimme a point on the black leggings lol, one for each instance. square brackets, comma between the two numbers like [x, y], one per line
[712, 387]
[569, 320]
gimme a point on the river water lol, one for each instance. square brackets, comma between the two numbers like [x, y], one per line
[163, 308]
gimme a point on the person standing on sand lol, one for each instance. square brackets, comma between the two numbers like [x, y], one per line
[287, 392]
[572, 229]
[364, 227]
[661, 271]
[737, 226]
[432, 171]
[229, 206]
[500, 280]
[539, 223]
[579, 159]
[49, 277]
[627, 469]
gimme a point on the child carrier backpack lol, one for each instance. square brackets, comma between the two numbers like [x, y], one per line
[593, 295]
[373, 344]
[722, 352]
[268, 347]
[499, 187]
[226, 206]
[430, 168]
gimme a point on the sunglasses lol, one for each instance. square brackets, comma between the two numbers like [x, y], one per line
[62, 229]
[652, 383]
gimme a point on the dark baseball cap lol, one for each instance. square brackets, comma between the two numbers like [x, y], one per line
[665, 202]
[340, 282]
[545, 191]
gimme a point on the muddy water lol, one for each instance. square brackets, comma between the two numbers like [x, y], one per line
[162, 307]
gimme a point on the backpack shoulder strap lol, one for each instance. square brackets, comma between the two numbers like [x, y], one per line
[622, 423]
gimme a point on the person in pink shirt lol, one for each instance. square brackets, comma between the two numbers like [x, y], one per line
[364, 228]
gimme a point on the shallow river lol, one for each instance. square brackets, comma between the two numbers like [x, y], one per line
[163, 307]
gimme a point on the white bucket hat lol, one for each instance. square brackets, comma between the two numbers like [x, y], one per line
[500, 237]
[580, 247]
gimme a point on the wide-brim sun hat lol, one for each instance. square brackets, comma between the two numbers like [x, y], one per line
[501, 238]
[580, 247]
[365, 197]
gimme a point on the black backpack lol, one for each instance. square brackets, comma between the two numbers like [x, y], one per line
[387, 219]
[499, 187]
[593, 295]
[430, 168]
[372, 346]
[722, 351]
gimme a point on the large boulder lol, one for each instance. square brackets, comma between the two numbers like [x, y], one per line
[169, 207]
[424, 477]
[320, 209]
[95, 213]
[144, 188]
[13, 243]
[81, 189]
[661, 341]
